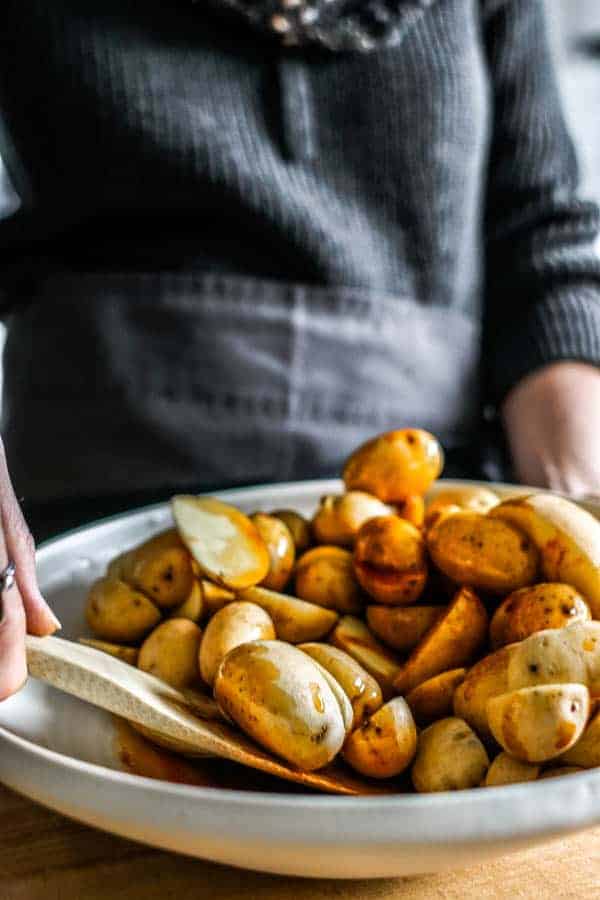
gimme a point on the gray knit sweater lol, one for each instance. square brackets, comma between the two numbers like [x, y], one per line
[235, 259]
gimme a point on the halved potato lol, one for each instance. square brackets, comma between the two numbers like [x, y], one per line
[127, 654]
[395, 465]
[222, 540]
[361, 688]
[325, 576]
[450, 644]
[161, 568]
[192, 607]
[384, 745]
[536, 608]
[282, 550]
[390, 561]
[353, 636]
[433, 699]
[115, 611]
[296, 621]
[402, 627]
[237, 623]
[487, 678]
[171, 653]
[505, 769]
[299, 528]
[339, 517]
[450, 757]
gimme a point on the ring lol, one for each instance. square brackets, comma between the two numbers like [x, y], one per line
[7, 577]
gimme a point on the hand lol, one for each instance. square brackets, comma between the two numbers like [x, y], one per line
[552, 419]
[22, 608]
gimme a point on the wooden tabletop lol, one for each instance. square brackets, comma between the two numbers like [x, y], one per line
[44, 856]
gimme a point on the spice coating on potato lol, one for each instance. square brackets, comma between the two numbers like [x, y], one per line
[161, 568]
[235, 624]
[276, 694]
[390, 560]
[487, 678]
[340, 517]
[325, 576]
[395, 465]
[299, 528]
[505, 769]
[282, 550]
[536, 608]
[116, 611]
[384, 745]
[402, 627]
[171, 653]
[361, 688]
[450, 757]
[295, 620]
[537, 724]
[353, 636]
[433, 699]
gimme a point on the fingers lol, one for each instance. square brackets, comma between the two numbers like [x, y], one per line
[13, 667]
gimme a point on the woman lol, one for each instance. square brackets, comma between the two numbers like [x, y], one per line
[254, 232]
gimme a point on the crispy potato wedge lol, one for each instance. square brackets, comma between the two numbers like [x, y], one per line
[433, 699]
[295, 621]
[450, 757]
[385, 744]
[505, 769]
[127, 654]
[116, 611]
[395, 465]
[536, 608]
[402, 627]
[361, 688]
[353, 636]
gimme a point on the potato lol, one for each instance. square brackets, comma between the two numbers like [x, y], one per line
[487, 678]
[384, 745]
[559, 771]
[586, 752]
[117, 612]
[339, 517]
[505, 769]
[361, 688]
[340, 695]
[278, 696]
[192, 607]
[295, 620]
[127, 654]
[413, 510]
[432, 699]
[171, 653]
[282, 550]
[325, 576]
[450, 644]
[223, 541]
[237, 623]
[161, 568]
[536, 608]
[395, 465]
[353, 636]
[485, 553]
[390, 560]
[402, 627]
[547, 657]
[450, 757]
[299, 528]
[214, 597]
[478, 499]
[536, 724]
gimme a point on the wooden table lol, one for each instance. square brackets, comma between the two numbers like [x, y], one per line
[44, 856]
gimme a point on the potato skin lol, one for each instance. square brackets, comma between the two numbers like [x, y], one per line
[214, 597]
[450, 757]
[119, 651]
[295, 620]
[235, 624]
[478, 499]
[171, 653]
[546, 657]
[282, 550]
[116, 611]
[487, 678]
[161, 568]
[339, 517]
[276, 694]
[395, 465]
[325, 576]
[402, 627]
[586, 752]
[559, 771]
[536, 608]
[390, 560]
[353, 636]
[192, 607]
[485, 553]
[361, 688]
[432, 699]
[385, 744]
[299, 528]
[505, 769]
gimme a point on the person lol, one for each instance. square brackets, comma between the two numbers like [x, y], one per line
[252, 233]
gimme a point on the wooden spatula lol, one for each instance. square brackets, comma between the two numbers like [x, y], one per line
[182, 724]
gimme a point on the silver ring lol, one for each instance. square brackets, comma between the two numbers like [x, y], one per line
[7, 577]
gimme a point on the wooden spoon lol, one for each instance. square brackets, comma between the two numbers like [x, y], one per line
[166, 715]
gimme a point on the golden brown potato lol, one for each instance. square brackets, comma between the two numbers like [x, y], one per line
[487, 678]
[161, 568]
[299, 528]
[192, 607]
[353, 636]
[413, 510]
[325, 576]
[402, 627]
[340, 695]
[295, 621]
[384, 745]
[171, 653]
[223, 541]
[395, 465]
[282, 550]
[339, 517]
[505, 769]
[450, 757]
[361, 688]
[536, 608]
[278, 696]
[390, 560]
[117, 612]
[536, 724]
[477, 499]
[559, 771]
[586, 752]
[237, 623]
[482, 552]
[433, 699]
[450, 644]
[127, 654]
[214, 597]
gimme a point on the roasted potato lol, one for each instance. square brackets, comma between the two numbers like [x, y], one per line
[402, 627]
[282, 550]
[390, 560]
[433, 699]
[339, 517]
[192, 607]
[505, 769]
[171, 653]
[126, 654]
[295, 621]
[214, 597]
[586, 751]
[361, 688]
[385, 744]
[161, 568]
[116, 611]
[395, 465]
[325, 576]
[450, 644]
[450, 757]
[537, 724]
[413, 510]
[487, 678]
[299, 528]
[536, 608]
[471, 497]
[237, 623]
[277, 695]
[555, 656]
[353, 636]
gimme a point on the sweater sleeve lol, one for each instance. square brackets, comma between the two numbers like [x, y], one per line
[542, 299]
